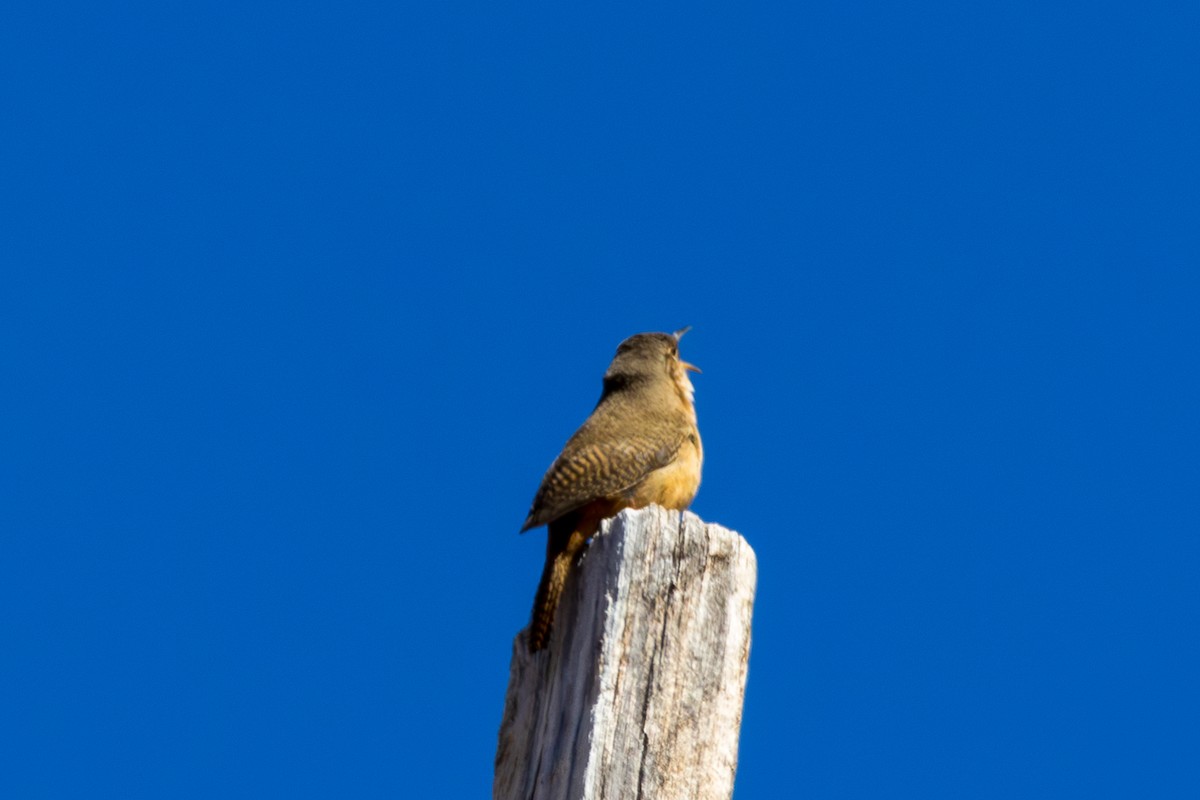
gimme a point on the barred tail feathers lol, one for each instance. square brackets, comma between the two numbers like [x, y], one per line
[562, 548]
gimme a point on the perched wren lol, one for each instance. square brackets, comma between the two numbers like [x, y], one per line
[639, 446]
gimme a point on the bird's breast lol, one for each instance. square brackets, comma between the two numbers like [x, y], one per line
[676, 484]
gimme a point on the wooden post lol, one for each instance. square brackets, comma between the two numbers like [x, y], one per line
[639, 693]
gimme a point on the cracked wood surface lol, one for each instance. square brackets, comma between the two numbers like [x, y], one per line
[639, 693]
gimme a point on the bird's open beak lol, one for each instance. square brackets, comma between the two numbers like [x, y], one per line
[679, 335]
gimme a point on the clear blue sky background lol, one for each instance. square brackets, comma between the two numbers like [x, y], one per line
[300, 300]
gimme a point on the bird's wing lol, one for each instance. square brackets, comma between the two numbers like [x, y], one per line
[583, 473]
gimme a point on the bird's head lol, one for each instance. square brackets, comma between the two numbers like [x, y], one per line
[650, 356]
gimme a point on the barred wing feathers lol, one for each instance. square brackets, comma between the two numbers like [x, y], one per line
[583, 473]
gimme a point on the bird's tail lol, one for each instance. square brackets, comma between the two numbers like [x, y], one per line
[562, 548]
[545, 603]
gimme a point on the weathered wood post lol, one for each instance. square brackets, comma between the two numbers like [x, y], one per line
[639, 693]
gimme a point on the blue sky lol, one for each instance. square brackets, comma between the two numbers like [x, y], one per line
[300, 300]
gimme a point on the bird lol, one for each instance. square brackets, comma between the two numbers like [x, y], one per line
[639, 446]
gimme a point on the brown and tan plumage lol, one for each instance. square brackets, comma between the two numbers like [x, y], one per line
[639, 446]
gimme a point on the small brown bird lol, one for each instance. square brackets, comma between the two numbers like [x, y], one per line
[639, 446]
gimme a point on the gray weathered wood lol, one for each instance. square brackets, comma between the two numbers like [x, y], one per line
[639, 694]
